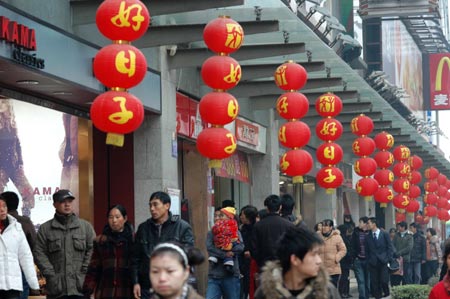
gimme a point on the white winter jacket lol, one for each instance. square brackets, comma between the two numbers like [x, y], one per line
[15, 254]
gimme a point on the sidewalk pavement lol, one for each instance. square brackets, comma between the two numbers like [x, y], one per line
[354, 288]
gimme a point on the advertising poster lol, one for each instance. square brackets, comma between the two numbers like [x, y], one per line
[38, 156]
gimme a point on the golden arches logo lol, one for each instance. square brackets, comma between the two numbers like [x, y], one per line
[439, 71]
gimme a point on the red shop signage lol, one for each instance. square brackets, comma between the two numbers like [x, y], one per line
[246, 132]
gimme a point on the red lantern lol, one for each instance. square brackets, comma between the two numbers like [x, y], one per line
[384, 159]
[117, 112]
[401, 201]
[430, 211]
[367, 187]
[328, 105]
[441, 203]
[363, 146]
[120, 65]
[124, 20]
[416, 162]
[362, 125]
[401, 185]
[296, 163]
[415, 177]
[223, 35]
[442, 179]
[383, 196]
[430, 186]
[442, 191]
[402, 170]
[365, 166]
[219, 108]
[447, 184]
[384, 177]
[329, 129]
[384, 141]
[221, 72]
[294, 134]
[399, 217]
[290, 76]
[414, 191]
[430, 198]
[292, 105]
[401, 153]
[216, 144]
[419, 218]
[329, 153]
[431, 173]
[413, 206]
[329, 177]
[442, 215]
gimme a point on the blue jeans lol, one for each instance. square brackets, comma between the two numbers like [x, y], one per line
[227, 287]
[26, 288]
[362, 277]
[416, 272]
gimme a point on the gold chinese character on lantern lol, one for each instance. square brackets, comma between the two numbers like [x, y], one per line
[124, 115]
[234, 75]
[282, 106]
[355, 147]
[280, 75]
[232, 147]
[331, 177]
[234, 36]
[126, 65]
[405, 152]
[232, 108]
[329, 153]
[284, 164]
[124, 16]
[327, 103]
[329, 128]
[282, 134]
[390, 140]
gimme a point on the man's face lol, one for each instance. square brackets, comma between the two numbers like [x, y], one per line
[158, 210]
[310, 265]
[64, 207]
[362, 225]
[413, 229]
[401, 228]
[3, 210]
[326, 228]
[371, 225]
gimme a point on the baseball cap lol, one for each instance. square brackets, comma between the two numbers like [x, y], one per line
[62, 195]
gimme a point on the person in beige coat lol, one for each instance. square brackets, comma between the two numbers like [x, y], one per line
[333, 250]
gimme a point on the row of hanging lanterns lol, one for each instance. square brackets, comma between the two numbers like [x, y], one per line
[119, 66]
[384, 160]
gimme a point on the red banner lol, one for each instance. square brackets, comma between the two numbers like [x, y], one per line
[235, 167]
[439, 81]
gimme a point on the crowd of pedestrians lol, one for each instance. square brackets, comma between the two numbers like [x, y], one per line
[270, 253]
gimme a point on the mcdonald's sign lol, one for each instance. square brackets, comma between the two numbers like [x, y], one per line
[439, 83]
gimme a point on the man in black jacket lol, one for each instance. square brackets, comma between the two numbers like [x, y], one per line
[418, 253]
[359, 263]
[161, 227]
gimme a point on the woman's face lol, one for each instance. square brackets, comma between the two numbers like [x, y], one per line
[167, 275]
[3, 210]
[116, 220]
[3, 106]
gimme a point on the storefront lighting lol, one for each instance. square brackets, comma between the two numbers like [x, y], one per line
[27, 82]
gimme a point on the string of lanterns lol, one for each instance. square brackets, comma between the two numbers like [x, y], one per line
[384, 176]
[401, 184]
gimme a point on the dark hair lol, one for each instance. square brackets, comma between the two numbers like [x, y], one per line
[344, 228]
[250, 213]
[373, 220]
[121, 209]
[262, 213]
[11, 199]
[402, 224]
[228, 203]
[328, 222]
[432, 231]
[273, 203]
[392, 230]
[415, 225]
[316, 227]
[162, 196]
[194, 255]
[287, 204]
[364, 219]
[295, 241]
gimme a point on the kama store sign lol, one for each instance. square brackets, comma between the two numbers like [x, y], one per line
[23, 39]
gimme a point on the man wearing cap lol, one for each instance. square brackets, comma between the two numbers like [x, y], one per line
[63, 249]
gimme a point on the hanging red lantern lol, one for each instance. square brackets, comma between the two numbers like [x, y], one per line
[413, 206]
[414, 191]
[221, 72]
[401, 185]
[443, 215]
[296, 163]
[365, 166]
[125, 20]
[290, 76]
[329, 153]
[442, 179]
[292, 105]
[329, 129]
[401, 201]
[415, 177]
[419, 218]
[401, 170]
[430, 186]
[384, 177]
[442, 191]
[294, 134]
[383, 196]
[367, 187]
[399, 216]
[431, 173]
[363, 146]
[329, 177]
[384, 141]
[384, 159]
[401, 153]
[362, 125]
[441, 202]
[116, 113]
[447, 184]
[415, 162]
[430, 198]
[430, 211]
[328, 105]
[120, 66]
[216, 144]
[223, 35]
[219, 108]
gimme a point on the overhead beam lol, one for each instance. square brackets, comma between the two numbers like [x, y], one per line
[196, 57]
[342, 117]
[269, 103]
[258, 71]
[312, 96]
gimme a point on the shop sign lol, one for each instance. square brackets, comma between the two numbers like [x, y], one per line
[439, 81]
[246, 132]
[235, 167]
[189, 122]
[23, 39]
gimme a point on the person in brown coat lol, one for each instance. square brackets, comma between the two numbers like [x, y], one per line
[333, 250]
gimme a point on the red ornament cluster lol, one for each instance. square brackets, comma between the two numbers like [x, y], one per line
[293, 134]
[119, 66]
[329, 153]
[384, 176]
[221, 72]
[436, 195]
[401, 183]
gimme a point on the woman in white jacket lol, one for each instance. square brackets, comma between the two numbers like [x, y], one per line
[15, 254]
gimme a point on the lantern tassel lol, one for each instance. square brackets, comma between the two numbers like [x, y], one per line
[368, 198]
[214, 163]
[329, 190]
[383, 205]
[115, 139]
[297, 179]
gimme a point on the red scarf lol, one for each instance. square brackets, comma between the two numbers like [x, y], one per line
[446, 281]
[2, 226]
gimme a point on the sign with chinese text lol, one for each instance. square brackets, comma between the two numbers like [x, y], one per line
[235, 167]
[439, 82]
[246, 132]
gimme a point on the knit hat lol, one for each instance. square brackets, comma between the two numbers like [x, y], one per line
[229, 211]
